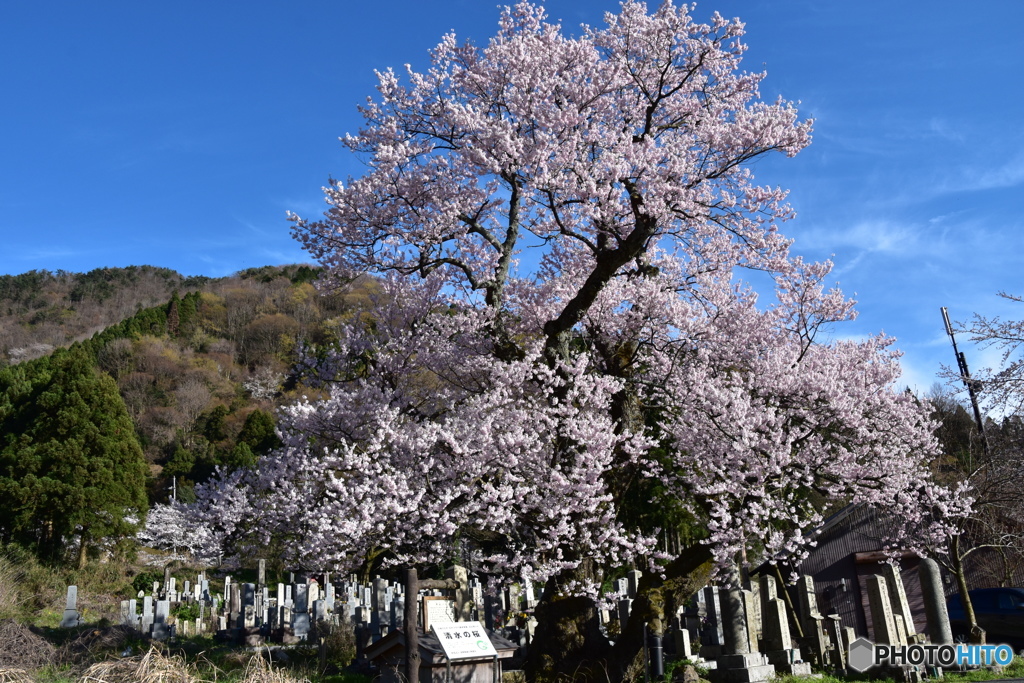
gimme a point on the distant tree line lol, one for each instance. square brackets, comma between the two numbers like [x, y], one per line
[91, 435]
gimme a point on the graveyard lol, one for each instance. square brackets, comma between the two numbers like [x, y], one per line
[330, 628]
[559, 403]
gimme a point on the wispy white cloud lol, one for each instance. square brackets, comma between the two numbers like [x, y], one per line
[1008, 174]
[866, 236]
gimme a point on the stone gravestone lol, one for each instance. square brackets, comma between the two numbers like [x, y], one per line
[739, 664]
[329, 596]
[712, 636]
[397, 613]
[71, 618]
[632, 582]
[815, 639]
[777, 641]
[161, 629]
[734, 622]
[775, 626]
[625, 605]
[807, 602]
[146, 624]
[128, 613]
[751, 612]
[835, 632]
[463, 596]
[881, 611]
[300, 613]
[898, 599]
[682, 643]
[939, 630]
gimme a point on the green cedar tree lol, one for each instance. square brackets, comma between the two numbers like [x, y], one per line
[71, 468]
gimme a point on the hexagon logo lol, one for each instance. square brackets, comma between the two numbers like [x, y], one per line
[862, 655]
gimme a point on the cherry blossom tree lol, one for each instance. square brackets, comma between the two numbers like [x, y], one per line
[172, 526]
[559, 226]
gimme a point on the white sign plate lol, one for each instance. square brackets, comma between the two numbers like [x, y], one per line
[464, 640]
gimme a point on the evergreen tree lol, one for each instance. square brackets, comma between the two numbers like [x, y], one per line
[173, 318]
[70, 464]
[258, 433]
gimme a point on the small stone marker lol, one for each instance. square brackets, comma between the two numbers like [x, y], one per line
[71, 618]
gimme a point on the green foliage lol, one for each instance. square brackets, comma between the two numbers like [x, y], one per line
[258, 433]
[186, 611]
[181, 463]
[212, 424]
[240, 456]
[143, 581]
[70, 465]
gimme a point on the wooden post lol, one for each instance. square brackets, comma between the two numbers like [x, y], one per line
[410, 625]
[411, 620]
[789, 603]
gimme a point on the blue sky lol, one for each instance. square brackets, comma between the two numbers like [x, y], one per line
[179, 134]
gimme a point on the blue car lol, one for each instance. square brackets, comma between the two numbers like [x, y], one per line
[1000, 611]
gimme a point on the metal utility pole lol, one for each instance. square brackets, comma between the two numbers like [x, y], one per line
[965, 375]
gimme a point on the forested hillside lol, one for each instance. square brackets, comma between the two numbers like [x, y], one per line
[198, 374]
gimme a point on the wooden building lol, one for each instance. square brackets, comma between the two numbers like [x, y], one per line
[849, 549]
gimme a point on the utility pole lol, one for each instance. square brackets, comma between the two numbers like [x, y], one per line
[965, 375]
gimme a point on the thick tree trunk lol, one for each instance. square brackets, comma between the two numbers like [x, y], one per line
[83, 550]
[569, 644]
[684, 576]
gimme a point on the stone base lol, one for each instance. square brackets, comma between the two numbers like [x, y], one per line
[746, 668]
[251, 637]
[710, 651]
[782, 658]
[741, 661]
[753, 674]
[795, 669]
[289, 638]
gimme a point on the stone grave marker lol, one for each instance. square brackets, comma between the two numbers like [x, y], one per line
[898, 599]
[881, 611]
[71, 617]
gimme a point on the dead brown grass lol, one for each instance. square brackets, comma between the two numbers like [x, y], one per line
[259, 670]
[152, 667]
[156, 667]
[22, 648]
[14, 676]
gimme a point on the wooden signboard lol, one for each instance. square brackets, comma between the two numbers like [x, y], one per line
[437, 610]
[464, 640]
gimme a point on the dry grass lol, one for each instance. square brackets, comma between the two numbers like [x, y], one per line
[259, 670]
[152, 667]
[155, 667]
[10, 597]
[14, 676]
[22, 648]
